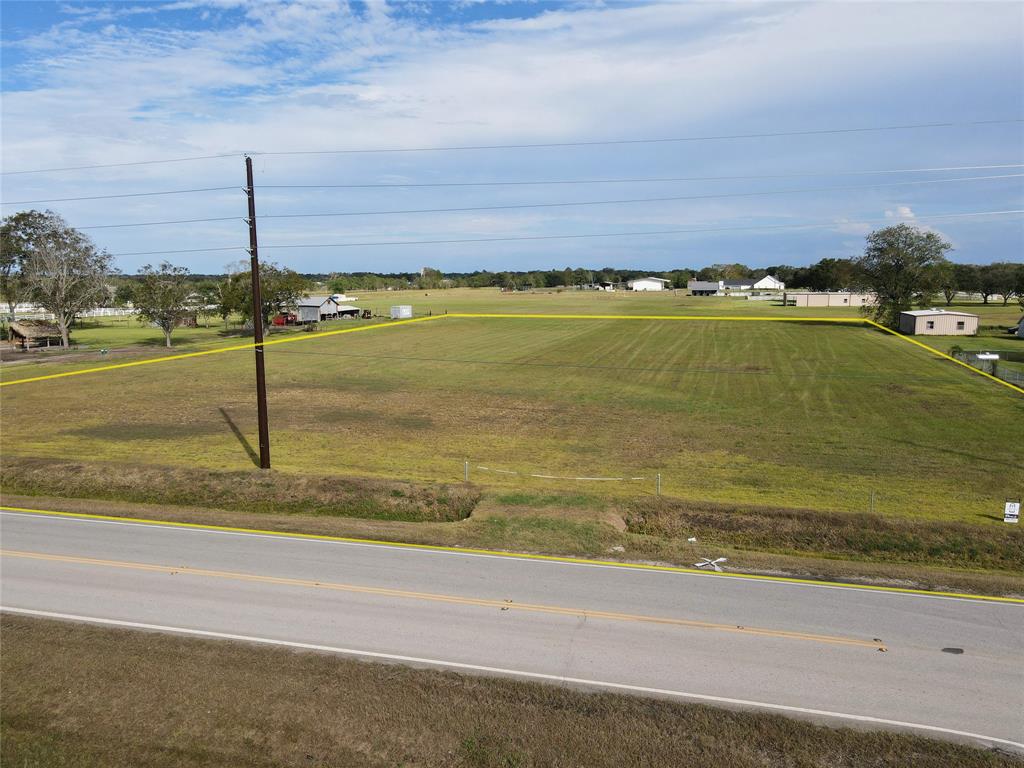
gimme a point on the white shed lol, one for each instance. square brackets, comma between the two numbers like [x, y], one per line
[938, 322]
[648, 284]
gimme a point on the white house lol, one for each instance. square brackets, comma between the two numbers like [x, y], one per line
[770, 283]
[648, 284]
[722, 287]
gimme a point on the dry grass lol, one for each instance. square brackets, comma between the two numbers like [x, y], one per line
[315, 495]
[77, 696]
[847, 535]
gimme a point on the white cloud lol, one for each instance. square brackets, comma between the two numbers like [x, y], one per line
[900, 212]
[319, 75]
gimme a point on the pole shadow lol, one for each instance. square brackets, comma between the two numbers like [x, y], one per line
[253, 456]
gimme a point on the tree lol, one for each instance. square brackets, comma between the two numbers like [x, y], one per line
[967, 278]
[64, 273]
[832, 275]
[998, 279]
[19, 234]
[429, 278]
[898, 264]
[946, 280]
[280, 289]
[124, 293]
[206, 300]
[162, 297]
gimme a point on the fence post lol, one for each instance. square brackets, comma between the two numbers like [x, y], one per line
[466, 471]
[658, 484]
[871, 507]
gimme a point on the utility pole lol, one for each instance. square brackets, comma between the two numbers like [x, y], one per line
[257, 322]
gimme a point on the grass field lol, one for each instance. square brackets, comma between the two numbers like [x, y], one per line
[78, 696]
[118, 332]
[792, 415]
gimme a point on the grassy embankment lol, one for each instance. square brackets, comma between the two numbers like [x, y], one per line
[78, 696]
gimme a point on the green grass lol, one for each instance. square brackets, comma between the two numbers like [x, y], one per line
[786, 415]
[77, 695]
[551, 301]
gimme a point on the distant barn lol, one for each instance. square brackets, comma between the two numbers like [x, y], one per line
[313, 309]
[648, 284]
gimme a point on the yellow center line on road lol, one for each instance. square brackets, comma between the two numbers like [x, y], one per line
[453, 599]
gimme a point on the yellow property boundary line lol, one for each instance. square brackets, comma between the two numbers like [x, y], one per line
[943, 355]
[729, 318]
[510, 555]
[218, 350]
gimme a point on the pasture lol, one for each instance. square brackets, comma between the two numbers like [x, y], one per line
[810, 416]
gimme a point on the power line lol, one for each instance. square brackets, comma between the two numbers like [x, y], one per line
[637, 199]
[766, 227]
[520, 206]
[723, 137]
[164, 192]
[608, 142]
[648, 180]
[538, 182]
[122, 165]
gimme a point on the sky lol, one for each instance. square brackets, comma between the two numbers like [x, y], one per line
[96, 83]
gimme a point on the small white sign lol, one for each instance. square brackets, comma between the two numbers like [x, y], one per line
[1011, 513]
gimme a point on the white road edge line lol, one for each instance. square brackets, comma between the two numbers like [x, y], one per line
[510, 557]
[510, 673]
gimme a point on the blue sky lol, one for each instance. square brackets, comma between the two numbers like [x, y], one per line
[98, 83]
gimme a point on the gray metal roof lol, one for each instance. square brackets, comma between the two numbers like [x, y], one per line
[936, 312]
[314, 301]
[702, 285]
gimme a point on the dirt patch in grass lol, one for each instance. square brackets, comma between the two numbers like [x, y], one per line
[77, 695]
[273, 491]
[847, 535]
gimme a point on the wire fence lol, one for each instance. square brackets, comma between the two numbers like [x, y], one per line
[469, 468]
[1000, 368]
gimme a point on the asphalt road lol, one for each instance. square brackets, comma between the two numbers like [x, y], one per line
[811, 651]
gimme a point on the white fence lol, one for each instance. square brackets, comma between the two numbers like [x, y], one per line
[35, 312]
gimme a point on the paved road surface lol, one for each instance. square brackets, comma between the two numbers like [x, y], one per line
[793, 647]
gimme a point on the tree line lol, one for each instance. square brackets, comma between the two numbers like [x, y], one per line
[46, 262]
